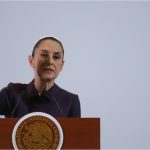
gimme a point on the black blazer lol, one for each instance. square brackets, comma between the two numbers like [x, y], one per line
[17, 100]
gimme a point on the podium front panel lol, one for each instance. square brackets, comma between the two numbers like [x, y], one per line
[79, 133]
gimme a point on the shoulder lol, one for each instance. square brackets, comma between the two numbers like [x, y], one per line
[14, 87]
[66, 97]
[64, 92]
[69, 101]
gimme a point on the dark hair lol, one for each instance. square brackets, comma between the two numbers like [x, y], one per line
[46, 38]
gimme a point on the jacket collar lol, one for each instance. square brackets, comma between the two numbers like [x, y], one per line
[32, 92]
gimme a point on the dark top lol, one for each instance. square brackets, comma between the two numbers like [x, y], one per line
[17, 100]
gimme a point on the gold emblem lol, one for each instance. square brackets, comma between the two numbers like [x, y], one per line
[37, 132]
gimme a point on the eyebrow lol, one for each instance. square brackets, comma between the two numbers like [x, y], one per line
[44, 50]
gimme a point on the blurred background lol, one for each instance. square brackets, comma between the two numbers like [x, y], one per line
[107, 51]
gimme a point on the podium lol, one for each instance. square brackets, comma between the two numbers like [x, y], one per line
[79, 133]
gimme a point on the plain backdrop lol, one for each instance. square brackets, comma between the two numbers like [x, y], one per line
[107, 59]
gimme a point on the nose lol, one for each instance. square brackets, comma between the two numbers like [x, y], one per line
[50, 60]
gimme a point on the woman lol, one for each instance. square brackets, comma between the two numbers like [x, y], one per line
[41, 94]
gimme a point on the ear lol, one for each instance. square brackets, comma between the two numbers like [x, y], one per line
[31, 61]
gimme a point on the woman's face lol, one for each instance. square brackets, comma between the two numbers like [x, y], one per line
[47, 61]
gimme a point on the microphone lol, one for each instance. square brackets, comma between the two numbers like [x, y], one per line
[13, 111]
[52, 98]
[19, 99]
[58, 106]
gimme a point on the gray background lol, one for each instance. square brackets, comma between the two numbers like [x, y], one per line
[107, 50]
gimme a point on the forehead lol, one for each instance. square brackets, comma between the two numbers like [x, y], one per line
[50, 46]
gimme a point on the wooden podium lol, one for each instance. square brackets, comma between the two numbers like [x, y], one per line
[78, 133]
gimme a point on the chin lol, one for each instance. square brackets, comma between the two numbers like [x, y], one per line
[48, 78]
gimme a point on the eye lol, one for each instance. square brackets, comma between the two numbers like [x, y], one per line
[44, 55]
[56, 56]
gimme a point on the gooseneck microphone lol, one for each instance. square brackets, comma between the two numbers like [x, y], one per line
[54, 99]
[14, 109]
[19, 99]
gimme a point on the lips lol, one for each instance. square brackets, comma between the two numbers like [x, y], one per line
[48, 69]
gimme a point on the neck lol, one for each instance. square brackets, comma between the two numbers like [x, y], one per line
[42, 85]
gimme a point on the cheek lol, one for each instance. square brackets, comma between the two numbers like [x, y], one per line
[39, 65]
[59, 67]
